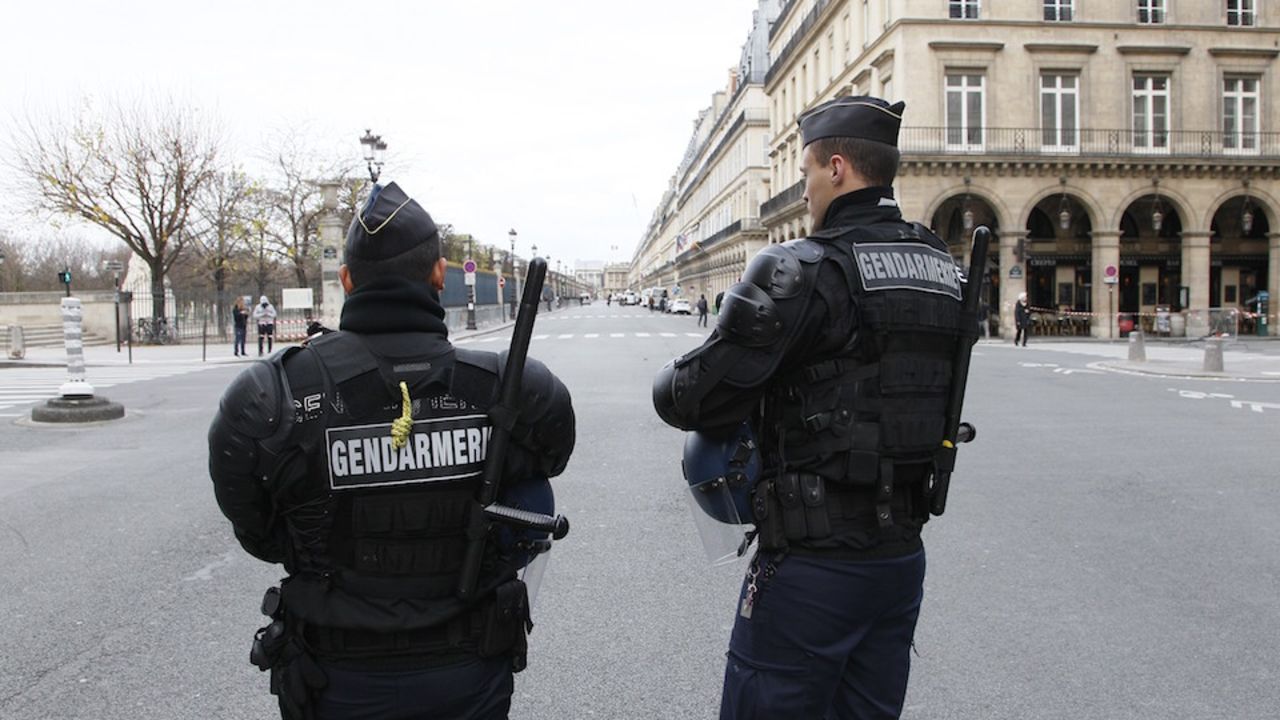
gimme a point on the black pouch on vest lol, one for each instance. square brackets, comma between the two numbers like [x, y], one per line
[813, 494]
[787, 489]
[505, 625]
[768, 516]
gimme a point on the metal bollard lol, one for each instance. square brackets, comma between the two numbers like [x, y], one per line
[17, 343]
[1213, 355]
[1137, 347]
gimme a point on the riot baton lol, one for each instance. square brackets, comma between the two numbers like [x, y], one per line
[503, 416]
[955, 432]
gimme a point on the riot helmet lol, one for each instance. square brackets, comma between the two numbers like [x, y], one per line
[722, 472]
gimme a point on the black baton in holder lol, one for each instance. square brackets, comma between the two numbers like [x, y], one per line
[503, 416]
[955, 432]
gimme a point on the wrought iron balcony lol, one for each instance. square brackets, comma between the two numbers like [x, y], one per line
[1087, 143]
[785, 198]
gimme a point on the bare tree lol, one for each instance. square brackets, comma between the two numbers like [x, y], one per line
[134, 170]
[295, 198]
[222, 228]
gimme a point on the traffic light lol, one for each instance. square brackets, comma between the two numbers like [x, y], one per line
[64, 277]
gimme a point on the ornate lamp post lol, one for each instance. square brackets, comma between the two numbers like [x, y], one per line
[374, 149]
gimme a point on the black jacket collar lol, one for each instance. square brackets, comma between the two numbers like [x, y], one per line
[394, 305]
[867, 206]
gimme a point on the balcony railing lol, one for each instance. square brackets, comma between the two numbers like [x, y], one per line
[777, 202]
[1087, 142]
[796, 40]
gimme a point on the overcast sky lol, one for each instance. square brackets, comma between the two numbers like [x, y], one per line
[562, 119]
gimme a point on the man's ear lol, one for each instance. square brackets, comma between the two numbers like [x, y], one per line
[438, 273]
[839, 169]
[344, 276]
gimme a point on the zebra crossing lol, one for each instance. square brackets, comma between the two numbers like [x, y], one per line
[505, 338]
[21, 386]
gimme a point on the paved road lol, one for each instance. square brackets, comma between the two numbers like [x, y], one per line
[1109, 551]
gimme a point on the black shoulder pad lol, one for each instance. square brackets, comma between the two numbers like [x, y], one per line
[257, 400]
[806, 251]
[749, 317]
[776, 270]
[475, 377]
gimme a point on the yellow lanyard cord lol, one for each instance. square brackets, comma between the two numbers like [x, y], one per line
[401, 426]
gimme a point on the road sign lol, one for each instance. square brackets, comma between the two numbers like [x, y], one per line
[469, 265]
[470, 278]
[502, 282]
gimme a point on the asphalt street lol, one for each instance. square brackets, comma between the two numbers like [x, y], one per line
[1109, 550]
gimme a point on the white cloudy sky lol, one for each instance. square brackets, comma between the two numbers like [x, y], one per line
[562, 119]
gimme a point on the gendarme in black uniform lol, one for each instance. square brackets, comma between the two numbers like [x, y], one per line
[320, 464]
[838, 349]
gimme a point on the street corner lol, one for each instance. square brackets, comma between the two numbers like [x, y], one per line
[1254, 370]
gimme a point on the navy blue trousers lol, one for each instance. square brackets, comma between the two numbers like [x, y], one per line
[474, 690]
[827, 639]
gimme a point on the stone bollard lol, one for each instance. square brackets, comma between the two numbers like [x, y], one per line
[75, 401]
[17, 343]
[1213, 355]
[1137, 347]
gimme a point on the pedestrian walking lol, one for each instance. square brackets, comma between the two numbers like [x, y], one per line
[702, 310]
[1022, 320]
[367, 491]
[240, 323]
[836, 352]
[264, 314]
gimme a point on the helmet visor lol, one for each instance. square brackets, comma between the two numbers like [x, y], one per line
[716, 516]
[532, 573]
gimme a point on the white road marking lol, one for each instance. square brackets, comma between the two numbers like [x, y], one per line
[1073, 371]
[667, 334]
[1038, 365]
[642, 334]
[564, 337]
[697, 335]
[617, 334]
[592, 335]
[1254, 406]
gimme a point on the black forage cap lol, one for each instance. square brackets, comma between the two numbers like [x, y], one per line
[389, 224]
[856, 116]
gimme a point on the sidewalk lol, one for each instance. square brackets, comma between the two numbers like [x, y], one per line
[1242, 360]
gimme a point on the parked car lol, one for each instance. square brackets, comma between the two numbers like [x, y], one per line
[680, 306]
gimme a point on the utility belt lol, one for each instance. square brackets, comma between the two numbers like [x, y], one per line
[796, 506]
[288, 647]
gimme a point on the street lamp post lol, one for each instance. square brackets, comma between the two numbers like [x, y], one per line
[515, 275]
[374, 149]
[469, 268]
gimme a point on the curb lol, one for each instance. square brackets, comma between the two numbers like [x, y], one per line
[1128, 368]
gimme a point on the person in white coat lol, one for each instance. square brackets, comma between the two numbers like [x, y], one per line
[264, 313]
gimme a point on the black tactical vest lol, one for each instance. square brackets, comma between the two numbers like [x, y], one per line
[867, 416]
[377, 532]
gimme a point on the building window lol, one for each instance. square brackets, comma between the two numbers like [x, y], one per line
[964, 9]
[1242, 13]
[965, 110]
[1240, 114]
[1059, 112]
[866, 23]
[1058, 10]
[831, 56]
[1151, 112]
[1151, 12]
[886, 89]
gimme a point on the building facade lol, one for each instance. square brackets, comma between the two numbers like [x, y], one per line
[707, 224]
[1124, 152]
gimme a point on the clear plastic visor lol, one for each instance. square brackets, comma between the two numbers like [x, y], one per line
[721, 538]
[531, 575]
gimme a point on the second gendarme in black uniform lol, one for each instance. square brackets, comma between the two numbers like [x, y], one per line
[354, 461]
[837, 350]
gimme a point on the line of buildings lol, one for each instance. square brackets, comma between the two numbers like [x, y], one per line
[1124, 152]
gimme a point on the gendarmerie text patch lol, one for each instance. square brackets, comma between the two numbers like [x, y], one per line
[904, 266]
[444, 449]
